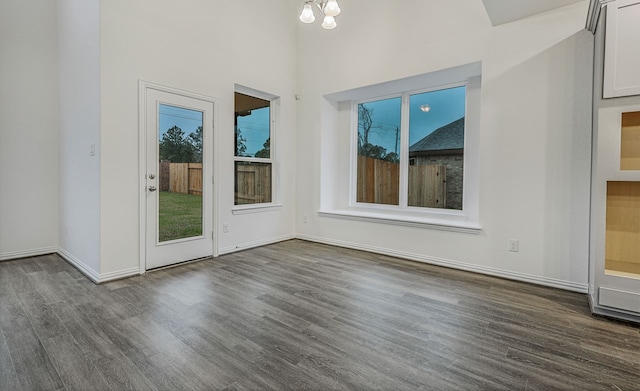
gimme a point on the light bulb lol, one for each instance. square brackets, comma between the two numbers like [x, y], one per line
[329, 22]
[307, 14]
[332, 8]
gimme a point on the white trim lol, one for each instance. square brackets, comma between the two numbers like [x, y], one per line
[143, 86]
[142, 164]
[28, 253]
[274, 120]
[538, 280]
[403, 152]
[81, 266]
[253, 92]
[619, 299]
[92, 274]
[448, 225]
[255, 208]
[258, 243]
[435, 78]
[593, 15]
[611, 312]
[119, 274]
[339, 203]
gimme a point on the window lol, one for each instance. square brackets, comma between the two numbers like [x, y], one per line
[410, 149]
[386, 147]
[378, 178]
[253, 153]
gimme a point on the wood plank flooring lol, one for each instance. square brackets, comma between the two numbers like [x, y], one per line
[298, 315]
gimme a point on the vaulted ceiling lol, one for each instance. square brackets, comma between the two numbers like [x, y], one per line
[505, 11]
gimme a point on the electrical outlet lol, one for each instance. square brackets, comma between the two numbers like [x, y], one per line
[225, 227]
[513, 245]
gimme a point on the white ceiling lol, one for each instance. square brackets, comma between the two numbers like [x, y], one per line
[504, 11]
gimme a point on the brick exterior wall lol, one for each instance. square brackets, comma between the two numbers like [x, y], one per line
[454, 164]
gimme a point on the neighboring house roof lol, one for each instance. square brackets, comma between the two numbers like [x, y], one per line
[447, 139]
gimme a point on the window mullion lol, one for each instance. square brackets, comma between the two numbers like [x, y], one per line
[404, 151]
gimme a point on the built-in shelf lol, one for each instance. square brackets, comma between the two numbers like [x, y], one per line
[622, 243]
[630, 141]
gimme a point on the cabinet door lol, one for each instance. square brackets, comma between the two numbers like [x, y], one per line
[622, 56]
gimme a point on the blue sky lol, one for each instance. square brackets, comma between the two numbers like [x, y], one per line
[446, 106]
[185, 119]
[255, 129]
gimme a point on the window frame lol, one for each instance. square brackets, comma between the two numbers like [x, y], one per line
[353, 170]
[403, 185]
[273, 122]
[336, 157]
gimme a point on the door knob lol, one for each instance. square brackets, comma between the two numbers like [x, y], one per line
[152, 176]
[152, 188]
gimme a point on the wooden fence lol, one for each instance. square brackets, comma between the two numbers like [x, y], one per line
[180, 177]
[253, 183]
[252, 180]
[428, 186]
[379, 182]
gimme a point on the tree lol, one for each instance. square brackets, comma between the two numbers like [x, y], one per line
[265, 152]
[241, 146]
[195, 143]
[174, 147]
[365, 126]
[392, 157]
[374, 151]
[365, 121]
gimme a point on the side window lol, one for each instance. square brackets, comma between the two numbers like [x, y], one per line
[253, 155]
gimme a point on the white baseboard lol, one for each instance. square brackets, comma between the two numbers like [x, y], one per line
[100, 278]
[546, 281]
[94, 276]
[258, 243]
[28, 253]
[124, 273]
[81, 266]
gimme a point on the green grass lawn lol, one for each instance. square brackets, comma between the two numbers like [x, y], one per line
[180, 216]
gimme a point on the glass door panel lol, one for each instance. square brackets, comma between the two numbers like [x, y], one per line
[180, 173]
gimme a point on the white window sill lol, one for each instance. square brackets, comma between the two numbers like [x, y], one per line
[416, 222]
[255, 208]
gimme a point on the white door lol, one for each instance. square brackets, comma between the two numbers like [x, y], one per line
[178, 177]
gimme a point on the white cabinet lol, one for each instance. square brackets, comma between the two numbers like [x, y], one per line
[615, 213]
[622, 49]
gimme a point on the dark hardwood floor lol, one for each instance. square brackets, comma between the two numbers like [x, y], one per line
[298, 315]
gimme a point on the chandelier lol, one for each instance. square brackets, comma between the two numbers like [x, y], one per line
[328, 8]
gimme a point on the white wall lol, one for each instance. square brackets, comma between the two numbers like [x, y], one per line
[28, 128]
[79, 171]
[203, 47]
[534, 136]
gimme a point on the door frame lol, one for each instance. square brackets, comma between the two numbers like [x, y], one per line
[143, 88]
